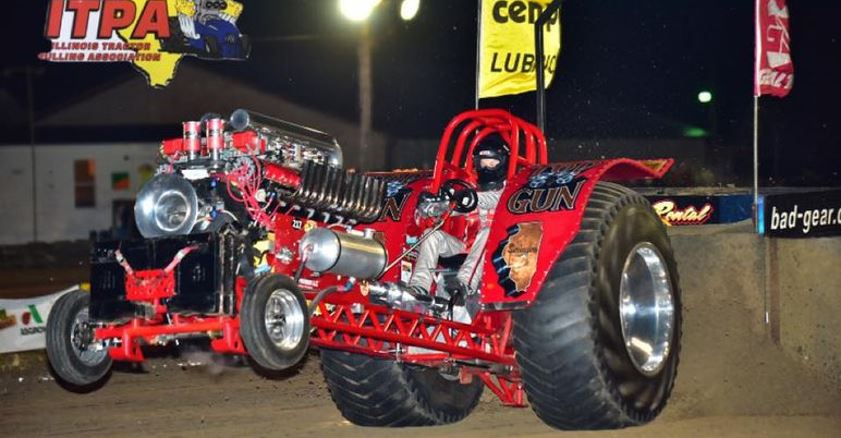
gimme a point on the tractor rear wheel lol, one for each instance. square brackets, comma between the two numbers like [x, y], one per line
[378, 392]
[598, 349]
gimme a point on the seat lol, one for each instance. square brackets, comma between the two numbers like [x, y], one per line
[452, 263]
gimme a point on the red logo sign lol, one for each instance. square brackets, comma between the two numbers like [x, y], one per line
[774, 70]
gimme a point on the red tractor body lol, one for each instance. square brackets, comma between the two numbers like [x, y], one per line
[355, 302]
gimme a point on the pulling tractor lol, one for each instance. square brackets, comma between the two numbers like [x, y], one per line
[257, 238]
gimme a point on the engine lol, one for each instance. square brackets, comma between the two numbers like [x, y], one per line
[247, 169]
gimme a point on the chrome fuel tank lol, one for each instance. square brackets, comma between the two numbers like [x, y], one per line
[361, 257]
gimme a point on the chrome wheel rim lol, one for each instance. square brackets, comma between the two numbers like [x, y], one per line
[284, 319]
[81, 340]
[646, 309]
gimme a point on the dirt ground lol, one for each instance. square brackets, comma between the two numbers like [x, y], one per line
[180, 400]
[732, 382]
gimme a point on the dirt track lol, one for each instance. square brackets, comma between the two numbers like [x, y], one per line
[199, 401]
[731, 383]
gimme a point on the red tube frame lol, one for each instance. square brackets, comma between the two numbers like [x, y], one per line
[389, 334]
[491, 121]
[129, 334]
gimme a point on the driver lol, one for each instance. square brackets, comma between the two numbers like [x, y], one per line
[490, 160]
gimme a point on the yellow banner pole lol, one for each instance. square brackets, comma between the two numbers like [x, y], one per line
[538, 53]
[478, 50]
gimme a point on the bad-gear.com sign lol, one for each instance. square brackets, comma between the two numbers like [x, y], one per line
[810, 214]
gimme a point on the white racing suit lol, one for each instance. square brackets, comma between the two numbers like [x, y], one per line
[441, 244]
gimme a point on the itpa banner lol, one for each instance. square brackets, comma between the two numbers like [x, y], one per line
[152, 35]
[774, 71]
[23, 323]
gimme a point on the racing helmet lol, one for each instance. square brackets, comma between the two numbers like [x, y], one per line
[490, 161]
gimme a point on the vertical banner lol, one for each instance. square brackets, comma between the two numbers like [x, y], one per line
[23, 323]
[507, 63]
[774, 71]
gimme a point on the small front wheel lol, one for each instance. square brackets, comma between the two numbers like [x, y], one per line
[274, 322]
[78, 363]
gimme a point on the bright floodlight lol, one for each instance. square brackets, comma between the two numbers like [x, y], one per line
[705, 97]
[408, 9]
[357, 10]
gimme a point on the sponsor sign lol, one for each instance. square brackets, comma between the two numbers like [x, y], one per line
[672, 214]
[799, 215]
[152, 35]
[23, 323]
[681, 210]
[507, 62]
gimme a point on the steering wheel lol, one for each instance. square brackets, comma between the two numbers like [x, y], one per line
[461, 194]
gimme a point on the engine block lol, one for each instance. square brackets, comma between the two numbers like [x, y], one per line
[247, 170]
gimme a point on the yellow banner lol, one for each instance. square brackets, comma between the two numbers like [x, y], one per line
[507, 64]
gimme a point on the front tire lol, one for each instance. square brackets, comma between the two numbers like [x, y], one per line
[378, 392]
[598, 348]
[77, 364]
[274, 322]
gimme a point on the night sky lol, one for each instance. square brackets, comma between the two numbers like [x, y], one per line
[627, 70]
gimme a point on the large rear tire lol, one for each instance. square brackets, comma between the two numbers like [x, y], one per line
[78, 365]
[598, 349]
[378, 392]
[274, 322]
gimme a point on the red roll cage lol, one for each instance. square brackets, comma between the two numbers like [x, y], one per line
[475, 126]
